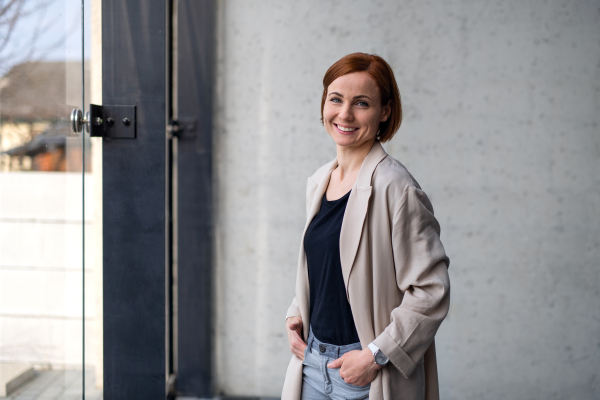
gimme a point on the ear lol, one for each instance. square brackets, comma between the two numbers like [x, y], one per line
[386, 111]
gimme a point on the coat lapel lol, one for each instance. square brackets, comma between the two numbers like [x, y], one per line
[318, 192]
[356, 210]
[315, 189]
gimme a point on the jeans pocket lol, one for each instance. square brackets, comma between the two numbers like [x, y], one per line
[363, 397]
[368, 385]
[306, 350]
[354, 387]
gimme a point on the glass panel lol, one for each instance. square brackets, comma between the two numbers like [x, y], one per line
[44, 74]
[93, 210]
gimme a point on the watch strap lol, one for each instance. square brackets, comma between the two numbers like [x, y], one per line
[380, 358]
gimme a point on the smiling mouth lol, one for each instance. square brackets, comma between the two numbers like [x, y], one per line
[345, 129]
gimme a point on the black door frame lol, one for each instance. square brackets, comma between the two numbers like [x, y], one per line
[137, 200]
[133, 73]
[195, 55]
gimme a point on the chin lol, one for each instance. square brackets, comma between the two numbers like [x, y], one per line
[343, 140]
[345, 143]
[350, 141]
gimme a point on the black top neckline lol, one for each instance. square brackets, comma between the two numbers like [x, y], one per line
[336, 200]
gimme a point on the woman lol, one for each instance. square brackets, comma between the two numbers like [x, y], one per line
[372, 286]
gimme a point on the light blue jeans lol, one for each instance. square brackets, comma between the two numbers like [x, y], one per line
[322, 383]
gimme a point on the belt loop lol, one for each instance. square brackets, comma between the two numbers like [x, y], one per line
[337, 350]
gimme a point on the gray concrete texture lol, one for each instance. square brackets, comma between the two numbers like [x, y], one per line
[501, 129]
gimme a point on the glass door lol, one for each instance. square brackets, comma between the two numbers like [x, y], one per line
[50, 202]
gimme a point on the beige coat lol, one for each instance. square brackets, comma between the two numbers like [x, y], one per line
[396, 275]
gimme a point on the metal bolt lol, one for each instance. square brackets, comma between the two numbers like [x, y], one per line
[110, 121]
[126, 121]
[98, 121]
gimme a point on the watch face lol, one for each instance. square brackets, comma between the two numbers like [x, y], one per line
[380, 358]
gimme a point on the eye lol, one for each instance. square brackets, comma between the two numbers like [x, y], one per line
[335, 100]
[363, 104]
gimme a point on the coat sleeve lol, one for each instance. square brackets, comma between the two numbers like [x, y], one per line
[293, 310]
[421, 268]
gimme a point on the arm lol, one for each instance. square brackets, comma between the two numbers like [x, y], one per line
[422, 275]
[293, 317]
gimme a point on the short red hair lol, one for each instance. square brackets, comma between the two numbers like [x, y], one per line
[382, 74]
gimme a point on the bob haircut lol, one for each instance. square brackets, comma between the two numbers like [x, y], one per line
[383, 76]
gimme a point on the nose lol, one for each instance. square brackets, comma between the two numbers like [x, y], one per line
[346, 112]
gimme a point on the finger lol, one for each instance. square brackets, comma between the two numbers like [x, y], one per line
[298, 335]
[336, 363]
[298, 353]
[295, 324]
[345, 378]
[297, 329]
[297, 339]
[298, 345]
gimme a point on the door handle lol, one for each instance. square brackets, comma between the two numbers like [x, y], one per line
[78, 123]
[118, 122]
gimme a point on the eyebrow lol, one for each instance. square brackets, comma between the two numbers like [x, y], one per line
[355, 97]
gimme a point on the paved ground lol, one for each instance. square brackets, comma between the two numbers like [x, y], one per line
[57, 385]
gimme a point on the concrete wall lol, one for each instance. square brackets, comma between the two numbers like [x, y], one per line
[501, 129]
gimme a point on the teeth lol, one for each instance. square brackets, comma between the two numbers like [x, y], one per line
[346, 129]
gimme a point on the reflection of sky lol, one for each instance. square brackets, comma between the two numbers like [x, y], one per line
[58, 23]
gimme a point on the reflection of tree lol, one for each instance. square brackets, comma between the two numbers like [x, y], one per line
[32, 103]
[33, 91]
[16, 50]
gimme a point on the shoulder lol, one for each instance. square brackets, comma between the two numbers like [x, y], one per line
[392, 176]
[394, 184]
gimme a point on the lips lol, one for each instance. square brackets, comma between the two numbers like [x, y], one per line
[345, 130]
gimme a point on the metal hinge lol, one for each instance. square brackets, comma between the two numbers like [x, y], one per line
[183, 128]
[111, 122]
[172, 387]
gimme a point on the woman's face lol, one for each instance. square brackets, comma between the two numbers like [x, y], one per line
[353, 110]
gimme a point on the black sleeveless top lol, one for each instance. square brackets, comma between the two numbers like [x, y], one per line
[330, 314]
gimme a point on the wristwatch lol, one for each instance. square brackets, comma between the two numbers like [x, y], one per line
[380, 358]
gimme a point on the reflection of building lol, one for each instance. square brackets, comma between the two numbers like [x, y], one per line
[48, 152]
[43, 153]
[40, 268]
[41, 220]
[35, 101]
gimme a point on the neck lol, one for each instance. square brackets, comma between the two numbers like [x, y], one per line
[351, 158]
